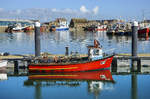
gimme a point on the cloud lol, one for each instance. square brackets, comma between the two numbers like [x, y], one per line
[47, 14]
[1, 9]
[95, 10]
[18, 11]
[83, 9]
[66, 11]
[54, 10]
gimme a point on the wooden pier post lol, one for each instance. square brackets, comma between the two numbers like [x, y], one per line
[67, 51]
[139, 65]
[134, 45]
[114, 65]
[37, 39]
[16, 68]
[134, 38]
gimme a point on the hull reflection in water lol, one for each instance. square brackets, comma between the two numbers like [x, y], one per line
[96, 81]
[104, 75]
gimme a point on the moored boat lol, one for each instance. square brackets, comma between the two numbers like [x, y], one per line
[143, 30]
[62, 25]
[101, 28]
[95, 60]
[14, 28]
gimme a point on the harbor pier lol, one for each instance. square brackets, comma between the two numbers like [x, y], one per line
[121, 63]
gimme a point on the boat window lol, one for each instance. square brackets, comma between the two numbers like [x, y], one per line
[96, 52]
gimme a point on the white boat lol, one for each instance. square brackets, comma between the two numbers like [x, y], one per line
[101, 28]
[62, 26]
[3, 63]
[17, 27]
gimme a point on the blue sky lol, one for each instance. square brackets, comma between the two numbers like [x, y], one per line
[103, 8]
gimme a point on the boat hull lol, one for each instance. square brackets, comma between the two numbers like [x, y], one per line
[101, 29]
[62, 29]
[72, 67]
[143, 31]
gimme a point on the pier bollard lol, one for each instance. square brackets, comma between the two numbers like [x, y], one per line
[37, 39]
[67, 51]
[16, 68]
[134, 45]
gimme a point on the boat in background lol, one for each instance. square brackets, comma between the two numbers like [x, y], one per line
[143, 29]
[60, 24]
[52, 28]
[95, 60]
[13, 28]
[62, 27]
[90, 28]
[101, 28]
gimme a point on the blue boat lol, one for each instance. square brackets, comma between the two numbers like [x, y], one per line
[62, 28]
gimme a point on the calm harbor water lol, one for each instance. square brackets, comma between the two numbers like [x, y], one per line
[55, 43]
[130, 86]
[124, 87]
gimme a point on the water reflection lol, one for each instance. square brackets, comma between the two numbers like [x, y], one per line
[134, 86]
[88, 85]
[3, 74]
[97, 81]
[23, 43]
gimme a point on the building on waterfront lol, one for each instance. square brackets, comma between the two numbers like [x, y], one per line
[78, 23]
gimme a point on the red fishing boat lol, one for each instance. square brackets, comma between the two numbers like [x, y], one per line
[95, 60]
[144, 30]
[104, 75]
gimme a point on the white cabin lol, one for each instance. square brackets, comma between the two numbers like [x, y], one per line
[95, 53]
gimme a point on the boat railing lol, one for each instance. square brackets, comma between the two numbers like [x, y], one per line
[73, 57]
[109, 52]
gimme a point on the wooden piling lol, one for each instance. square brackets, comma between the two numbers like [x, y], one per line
[67, 51]
[16, 68]
[114, 65]
[139, 65]
[134, 45]
[134, 38]
[37, 39]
